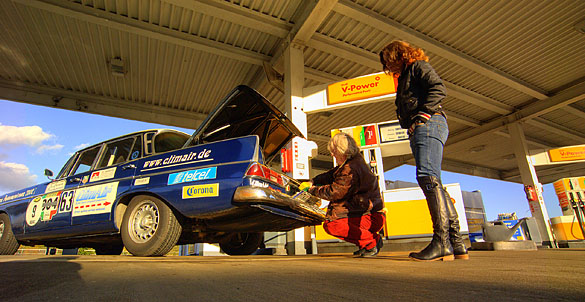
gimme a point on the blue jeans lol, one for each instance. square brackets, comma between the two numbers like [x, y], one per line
[427, 142]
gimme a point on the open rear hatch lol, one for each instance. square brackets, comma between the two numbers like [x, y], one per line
[245, 112]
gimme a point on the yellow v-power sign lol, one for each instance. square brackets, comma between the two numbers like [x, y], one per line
[365, 87]
[564, 155]
[376, 87]
[567, 154]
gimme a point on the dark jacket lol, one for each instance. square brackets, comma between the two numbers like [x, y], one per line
[419, 93]
[351, 188]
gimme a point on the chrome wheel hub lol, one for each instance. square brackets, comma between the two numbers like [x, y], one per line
[144, 221]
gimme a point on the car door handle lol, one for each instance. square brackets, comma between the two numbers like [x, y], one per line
[76, 179]
[130, 166]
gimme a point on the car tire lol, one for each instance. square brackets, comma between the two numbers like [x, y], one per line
[8, 243]
[114, 249]
[242, 243]
[149, 227]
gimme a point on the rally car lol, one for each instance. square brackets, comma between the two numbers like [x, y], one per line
[150, 190]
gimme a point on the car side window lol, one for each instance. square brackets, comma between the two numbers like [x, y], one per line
[148, 144]
[136, 149]
[86, 159]
[168, 141]
[116, 152]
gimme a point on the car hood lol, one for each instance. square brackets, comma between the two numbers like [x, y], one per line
[245, 112]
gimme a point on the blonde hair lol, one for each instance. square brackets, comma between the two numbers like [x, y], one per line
[343, 144]
[397, 53]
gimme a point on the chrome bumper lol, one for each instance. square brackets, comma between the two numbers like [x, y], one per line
[304, 204]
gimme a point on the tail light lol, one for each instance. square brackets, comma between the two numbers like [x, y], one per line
[266, 173]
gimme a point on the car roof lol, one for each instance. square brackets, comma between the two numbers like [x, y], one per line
[156, 131]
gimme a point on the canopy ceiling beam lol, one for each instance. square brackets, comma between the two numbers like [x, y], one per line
[81, 102]
[143, 29]
[557, 129]
[559, 100]
[387, 25]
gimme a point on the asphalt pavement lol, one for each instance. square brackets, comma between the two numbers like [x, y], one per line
[542, 275]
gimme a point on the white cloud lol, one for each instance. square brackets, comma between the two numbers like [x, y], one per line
[32, 136]
[15, 176]
[79, 147]
[44, 148]
[26, 135]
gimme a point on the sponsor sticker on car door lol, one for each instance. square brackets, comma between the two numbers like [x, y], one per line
[95, 199]
[44, 208]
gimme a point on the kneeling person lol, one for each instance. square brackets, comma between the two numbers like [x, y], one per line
[354, 212]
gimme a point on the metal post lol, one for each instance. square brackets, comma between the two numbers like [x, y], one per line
[529, 178]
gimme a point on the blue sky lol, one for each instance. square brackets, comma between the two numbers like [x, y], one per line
[33, 138]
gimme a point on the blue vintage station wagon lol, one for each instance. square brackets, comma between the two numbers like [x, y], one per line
[150, 190]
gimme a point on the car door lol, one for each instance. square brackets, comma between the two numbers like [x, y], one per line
[111, 175]
[49, 214]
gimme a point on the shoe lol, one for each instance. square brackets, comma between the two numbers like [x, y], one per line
[359, 252]
[370, 252]
[433, 252]
[380, 243]
[461, 255]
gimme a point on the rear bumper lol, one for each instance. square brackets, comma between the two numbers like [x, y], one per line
[259, 196]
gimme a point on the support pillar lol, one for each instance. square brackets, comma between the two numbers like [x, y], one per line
[294, 77]
[529, 178]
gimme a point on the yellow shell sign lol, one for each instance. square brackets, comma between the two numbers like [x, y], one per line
[567, 154]
[361, 88]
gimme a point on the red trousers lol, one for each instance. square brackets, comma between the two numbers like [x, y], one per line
[361, 231]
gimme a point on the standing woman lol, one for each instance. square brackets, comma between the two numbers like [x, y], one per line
[418, 107]
[355, 205]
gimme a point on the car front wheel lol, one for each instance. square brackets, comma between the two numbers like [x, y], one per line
[8, 243]
[149, 227]
[242, 243]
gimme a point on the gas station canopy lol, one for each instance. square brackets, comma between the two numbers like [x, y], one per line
[171, 61]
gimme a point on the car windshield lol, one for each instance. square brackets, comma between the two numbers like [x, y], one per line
[65, 169]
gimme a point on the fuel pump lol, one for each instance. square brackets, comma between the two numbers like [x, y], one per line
[295, 158]
[373, 157]
[571, 194]
[578, 206]
[294, 162]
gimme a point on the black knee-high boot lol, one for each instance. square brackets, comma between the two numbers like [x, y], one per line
[440, 247]
[459, 249]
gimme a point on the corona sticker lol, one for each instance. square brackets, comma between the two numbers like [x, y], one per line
[208, 190]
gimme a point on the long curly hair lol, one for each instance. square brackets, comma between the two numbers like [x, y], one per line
[394, 55]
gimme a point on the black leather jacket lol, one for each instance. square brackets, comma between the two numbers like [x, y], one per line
[420, 90]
